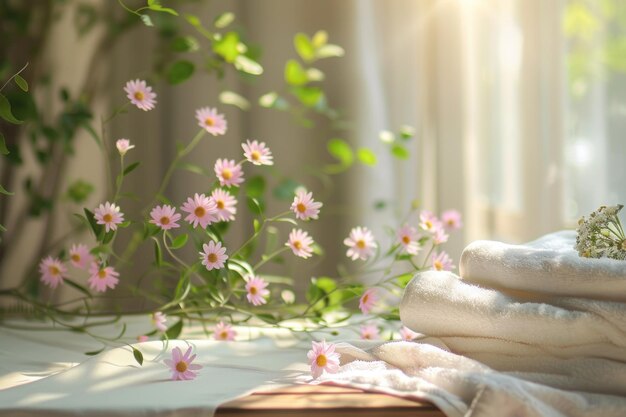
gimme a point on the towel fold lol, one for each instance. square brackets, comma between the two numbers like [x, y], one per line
[548, 265]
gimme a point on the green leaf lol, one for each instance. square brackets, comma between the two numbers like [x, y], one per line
[138, 356]
[79, 191]
[273, 100]
[21, 82]
[407, 132]
[4, 191]
[257, 225]
[131, 168]
[158, 255]
[2, 228]
[319, 39]
[5, 111]
[3, 145]
[146, 20]
[159, 8]
[185, 44]
[174, 331]
[341, 150]
[95, 352]
[330, 51]
[224, 20]
[366, 156]
[304, 47]
[255, 186]
[400, 151]
[193, 20]
[247, 65]
[313, 74]
[286, 189]
[227, 46]
[309, 96]
[95, 227]
[255, 205]
[180, 241]
[196, 169]
[234, 99]
[180, 71]
[295, 74]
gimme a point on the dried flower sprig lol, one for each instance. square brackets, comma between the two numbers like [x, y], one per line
[601, 235]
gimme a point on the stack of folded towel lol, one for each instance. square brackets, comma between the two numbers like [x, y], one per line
[527, 330]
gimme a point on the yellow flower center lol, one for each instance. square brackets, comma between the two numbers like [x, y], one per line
[360, 244]
[450, 222]
[428, 224]
[75, 257]
[406, 240]
[297, 244]
[102, 274]
[255, 155]
[209, 121]
[227, 174]
[212, 257]
[139, 95]
[181, 366]
[224, 335]
[365, 298]
[301, 207]
[199, 212]
[165, 220]
[253, 290]
[220, 204]
[321, 360]
[54, 270]
[624, 244]
[107, 218]
[438, 265]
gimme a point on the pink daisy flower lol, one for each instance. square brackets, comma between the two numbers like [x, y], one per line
[165, 217]
[225, 205]
[442, 262]
[181, 365]
[322, 357]
[123, 146]
[140, 94]
[360, 243]
[300, 243]
[256, 288]
[428, 221]
[369, 332]
[367, 300]
[52, 271]
[211, 121]
[158, 320]
[304, 206]
[213, 255]
[102, 278]
[142, 338]
[224, 331]
[202, 210]
[228, 172]
[407, 236]
[407, 334]
[257, 153]
[80, 256]
[109, 215]
[440, 236]
[451, 219]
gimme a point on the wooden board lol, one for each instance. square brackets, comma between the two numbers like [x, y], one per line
[327, 401]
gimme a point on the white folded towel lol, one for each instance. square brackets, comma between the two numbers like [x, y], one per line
[549, 265]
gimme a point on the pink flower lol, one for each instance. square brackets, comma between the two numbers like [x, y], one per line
[407, 236]
[140, 94]
[102, 278]
[305, 207]
[181, 365]
[256, 288]
[213, 255]
[52, 271]
[257, 153]
[367, 300]
[451, 219]
[109, 215]
[428, 221]
[80, 256]
[228, 172]
[360, 243]
[300, 243]
[442, 262]
[211, 121]
[123, 146]
[407, 334]
[225, 205]
[202, 210]
[322, 357]
[158, 320]
[369, 332]
[165, 217]
[142, 338]
[224, 331]
[440, 236]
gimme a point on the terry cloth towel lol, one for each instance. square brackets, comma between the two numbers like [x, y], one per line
[549, 265]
